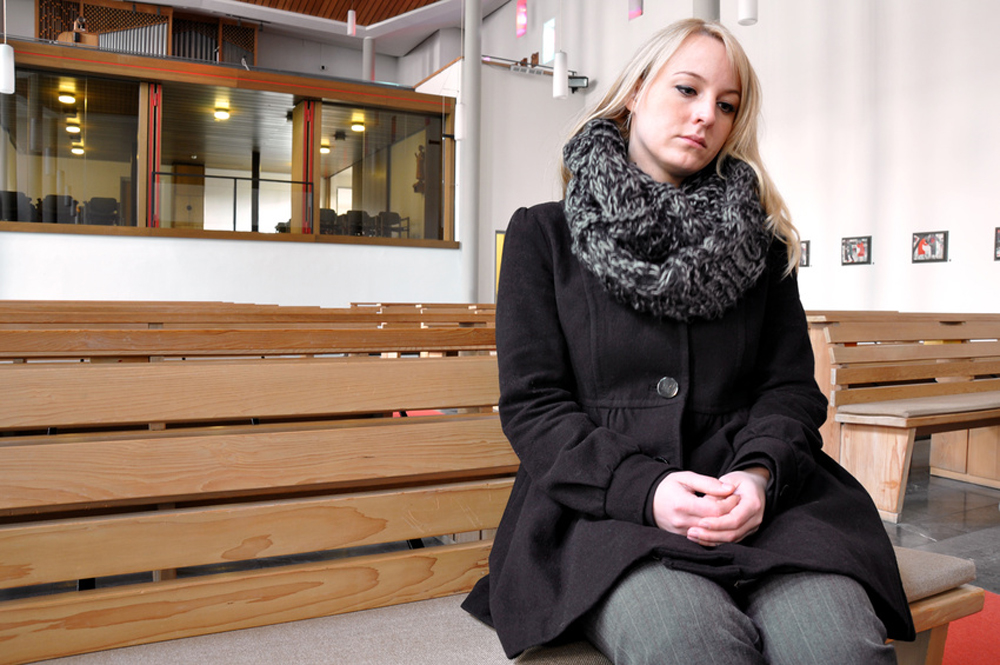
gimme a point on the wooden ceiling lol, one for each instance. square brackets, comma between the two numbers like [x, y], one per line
[369, 12]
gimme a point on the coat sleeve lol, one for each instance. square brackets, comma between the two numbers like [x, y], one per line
[782, 432]
[587, 468]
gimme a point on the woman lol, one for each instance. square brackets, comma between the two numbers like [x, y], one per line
[656, 376]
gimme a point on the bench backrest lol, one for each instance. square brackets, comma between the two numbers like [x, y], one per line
[909, 357]
[271, 488]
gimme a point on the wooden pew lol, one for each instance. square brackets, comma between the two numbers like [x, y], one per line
[910, 376]
[261, 480]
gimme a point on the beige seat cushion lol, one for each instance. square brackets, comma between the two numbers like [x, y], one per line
[927, 573]
[926, 406]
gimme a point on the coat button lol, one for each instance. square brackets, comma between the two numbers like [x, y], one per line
[667, 388]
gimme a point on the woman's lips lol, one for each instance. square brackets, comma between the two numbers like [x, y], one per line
[697, 140]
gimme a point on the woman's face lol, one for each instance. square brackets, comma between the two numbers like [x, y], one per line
[686, 113]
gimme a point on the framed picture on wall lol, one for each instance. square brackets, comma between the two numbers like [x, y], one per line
[804, 258]
[498, 248]
[856, 251]
[996, 245]
[931, 247]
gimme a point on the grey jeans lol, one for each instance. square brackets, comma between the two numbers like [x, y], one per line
[659, 615]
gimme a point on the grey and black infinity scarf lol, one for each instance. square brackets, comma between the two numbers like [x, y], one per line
[674, 252]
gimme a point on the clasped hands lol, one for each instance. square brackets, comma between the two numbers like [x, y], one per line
[711, 511]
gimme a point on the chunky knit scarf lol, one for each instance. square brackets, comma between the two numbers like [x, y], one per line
[674, 252]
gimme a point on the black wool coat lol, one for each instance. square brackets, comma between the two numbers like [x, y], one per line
[600, 402]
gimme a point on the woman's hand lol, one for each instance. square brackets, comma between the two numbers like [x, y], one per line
[710, 510]
[745, 516]
[684, 499]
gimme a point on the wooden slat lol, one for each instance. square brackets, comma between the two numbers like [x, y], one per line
[62, 395]
[889, 371]
[35, 553]
[896, 330]
[842, 397]
[50, 627]
[907, 352]
[947, 606]
[75, 343]
[84, 313]
[209, 464]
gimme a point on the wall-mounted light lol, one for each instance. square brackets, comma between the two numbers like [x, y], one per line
[67, 98]
[77, 150]
[352, 22]
[221, 113]
[324, 149]
[358, 125]
[72, 128]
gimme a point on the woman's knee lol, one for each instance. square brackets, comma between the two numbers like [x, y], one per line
[658, 615]
[817, 618]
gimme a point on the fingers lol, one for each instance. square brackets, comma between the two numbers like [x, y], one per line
[744, 519]
[707, 485]
[683, 499]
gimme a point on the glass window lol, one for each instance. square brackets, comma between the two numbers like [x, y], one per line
[380, 173]
[68, 150]
[226, 161]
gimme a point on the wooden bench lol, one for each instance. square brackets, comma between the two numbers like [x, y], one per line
[243, 487]
[912, 375]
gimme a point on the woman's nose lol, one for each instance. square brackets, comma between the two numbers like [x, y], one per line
[704, 112]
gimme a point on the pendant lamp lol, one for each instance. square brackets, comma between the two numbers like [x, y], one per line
[747, 12]
[352, 22]
[8, 80]
[560, 76]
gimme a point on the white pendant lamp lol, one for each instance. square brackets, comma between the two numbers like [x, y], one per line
[352, 22]
[560, 76]
[747, 12]
[8, 80]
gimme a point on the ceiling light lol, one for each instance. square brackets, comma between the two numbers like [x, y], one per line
[67, 98]
[358, 125]
[221, 114]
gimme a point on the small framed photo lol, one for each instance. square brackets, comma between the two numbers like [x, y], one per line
[804, 257]
[930, 247]
[996, 245]
[856, 251]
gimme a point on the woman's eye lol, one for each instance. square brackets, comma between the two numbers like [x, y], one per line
[727, 108]
[686, 90]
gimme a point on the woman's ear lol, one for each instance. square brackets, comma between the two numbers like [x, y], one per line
[634, 96]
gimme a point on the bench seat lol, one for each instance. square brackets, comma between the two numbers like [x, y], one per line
[438, 631]
[970, 403]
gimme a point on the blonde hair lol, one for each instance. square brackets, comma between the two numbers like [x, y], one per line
[742, 141]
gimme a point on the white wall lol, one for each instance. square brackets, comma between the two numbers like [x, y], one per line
[433, 54]
[21, 16]
[877, 121]
[56, 266]
[291, 54]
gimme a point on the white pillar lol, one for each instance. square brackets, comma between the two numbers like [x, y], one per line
[368, 59]
[468, 150]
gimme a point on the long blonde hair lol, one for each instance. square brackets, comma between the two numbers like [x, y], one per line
[742, 141]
